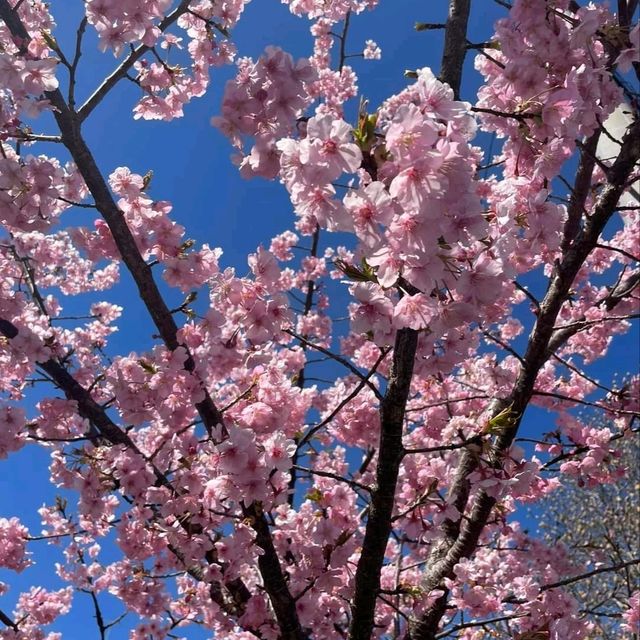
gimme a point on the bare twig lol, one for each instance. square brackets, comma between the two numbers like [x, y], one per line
[589, 574]
[73, 68]
[357, 389]
[333, 476]
[344, 362]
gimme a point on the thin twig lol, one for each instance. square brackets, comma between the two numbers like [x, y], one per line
[340, 359]
[586, 403]
[589, 574]
[358, 388]
[74, 64]
[334, 476]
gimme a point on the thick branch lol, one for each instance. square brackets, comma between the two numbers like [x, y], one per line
[393, 406]
[88, 408]
[455, 44]
[581, 190]
[283, 603]
[69, 125]
[367, 580]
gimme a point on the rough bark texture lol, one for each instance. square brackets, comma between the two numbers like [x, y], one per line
[455, 44]
[367, 581]
[580, 190]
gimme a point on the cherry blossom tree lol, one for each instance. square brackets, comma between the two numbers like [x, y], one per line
[237, 495]
[599, 525]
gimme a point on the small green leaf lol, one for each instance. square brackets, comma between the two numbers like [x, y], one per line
[365, 133]
[50, 40]
[353, 273]
[502, 421]
[315, 495]
[149, 367]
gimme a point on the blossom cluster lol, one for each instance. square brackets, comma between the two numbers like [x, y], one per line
[264, 101]
[167, 85]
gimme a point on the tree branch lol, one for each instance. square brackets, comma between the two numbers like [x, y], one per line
[481, 623]
[343, 361]
[580, 191]
[300, 382]
[7, 621]
[589, 574]
[367, 579]
[333, 476]
[586, 403]
[393, 406]
[88, 408]
[283, 603]
[357, 389]
[455, 44]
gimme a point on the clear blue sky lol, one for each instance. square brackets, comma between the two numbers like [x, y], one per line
[190, 161]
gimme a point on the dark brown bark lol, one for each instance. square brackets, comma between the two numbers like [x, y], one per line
[393, 406]
[102, 427]
[275, 584]
[7, 621]
[69, 125]
[455, 44]
[367, 580]
[578, 197]
[88, 408]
